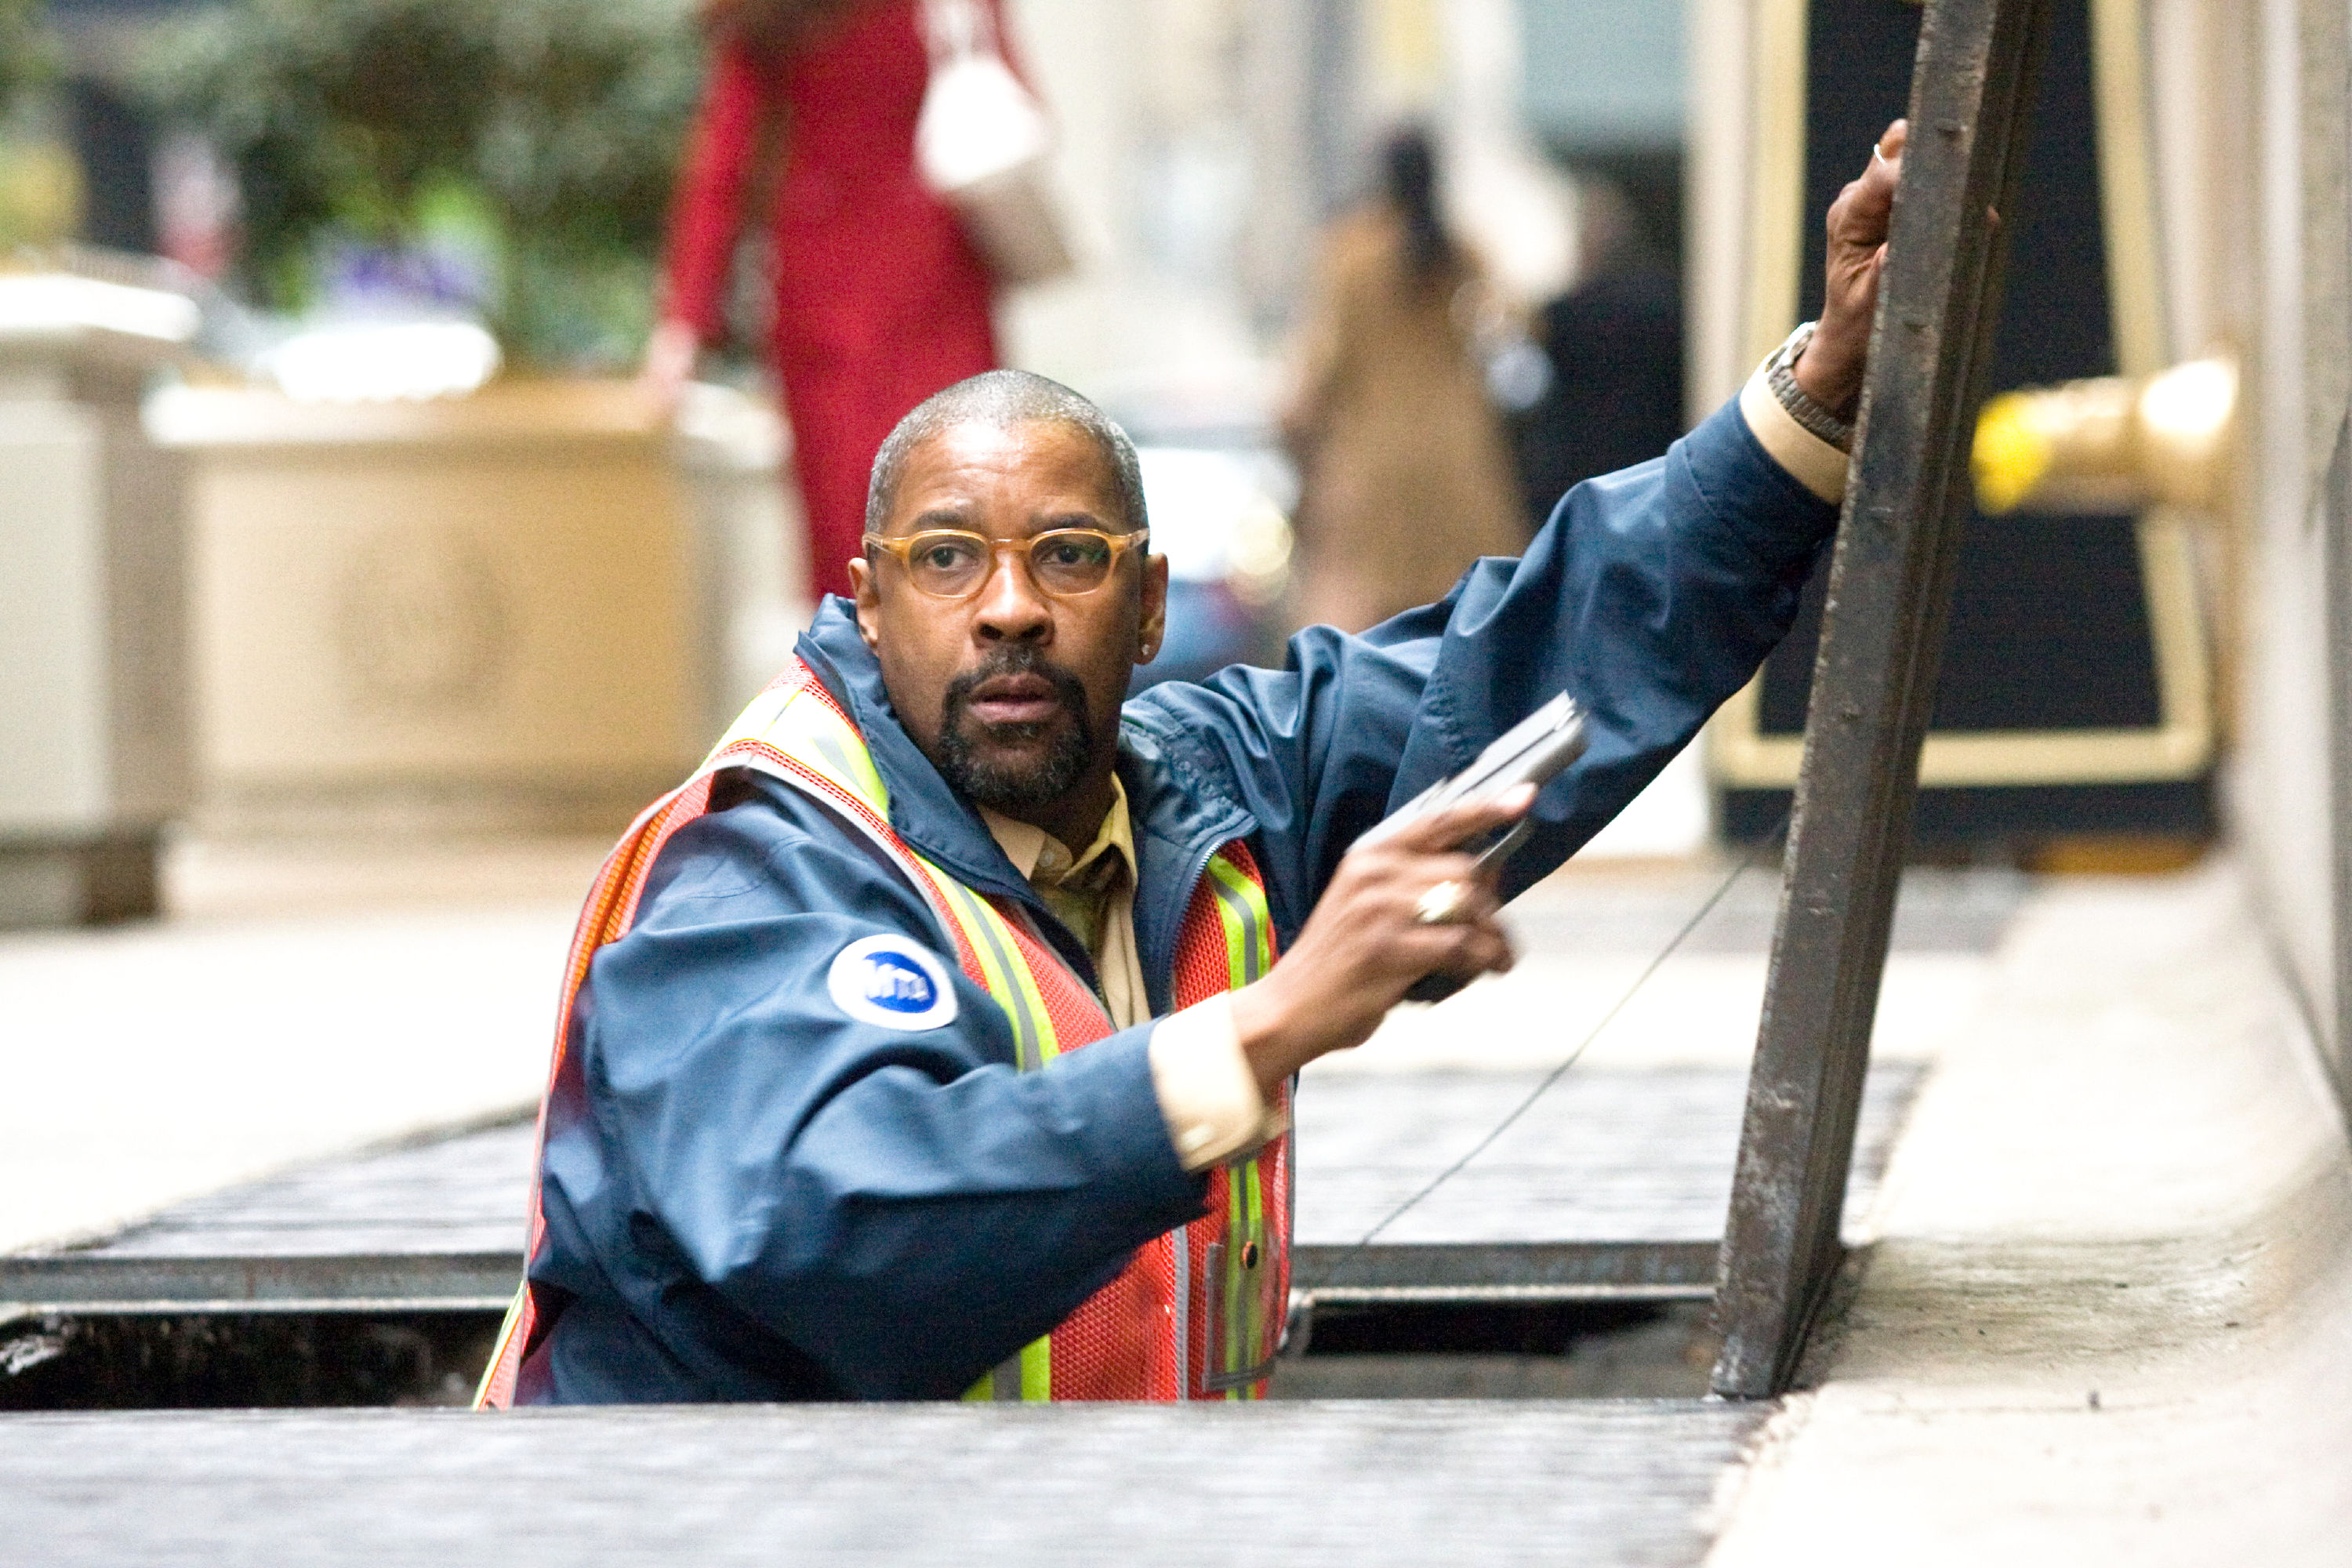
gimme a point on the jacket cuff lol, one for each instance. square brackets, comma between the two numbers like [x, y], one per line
[1207, 1092]
[1804, 456]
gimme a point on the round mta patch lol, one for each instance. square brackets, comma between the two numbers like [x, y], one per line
[893, 982]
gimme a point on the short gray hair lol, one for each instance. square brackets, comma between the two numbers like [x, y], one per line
[1001, 399]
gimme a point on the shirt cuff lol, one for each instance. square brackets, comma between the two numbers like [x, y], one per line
[1207, 1092]
[1810, 461]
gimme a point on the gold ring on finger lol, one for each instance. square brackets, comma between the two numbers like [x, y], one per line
[1442, 905]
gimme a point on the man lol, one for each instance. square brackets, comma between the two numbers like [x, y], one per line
[929, 1042]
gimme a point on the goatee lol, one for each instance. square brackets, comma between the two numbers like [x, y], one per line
[1025, 782]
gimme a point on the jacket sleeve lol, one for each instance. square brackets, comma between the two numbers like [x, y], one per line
[1652, 594]
[899, 1206]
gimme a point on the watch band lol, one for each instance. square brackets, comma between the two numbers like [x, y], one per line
[1780, 375]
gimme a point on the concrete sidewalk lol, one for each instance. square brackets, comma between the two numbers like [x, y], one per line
[2108, 1313]
[296, 1003]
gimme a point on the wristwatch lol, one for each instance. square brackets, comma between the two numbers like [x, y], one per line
[1780, 375]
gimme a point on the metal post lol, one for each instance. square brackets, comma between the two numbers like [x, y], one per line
[1874, 681]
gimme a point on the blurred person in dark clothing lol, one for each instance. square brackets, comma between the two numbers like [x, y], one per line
[1405, 474]
[880, 298]
[1615, 342]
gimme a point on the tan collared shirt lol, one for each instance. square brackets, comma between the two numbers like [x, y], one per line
[1093, 894]
[1207, 1092]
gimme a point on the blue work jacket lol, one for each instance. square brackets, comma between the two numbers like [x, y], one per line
[752, 1194]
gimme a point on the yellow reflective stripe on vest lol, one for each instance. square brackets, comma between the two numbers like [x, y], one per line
[1249, 953]
[1037, 1371]
[804, 726]
[508, 1327]
[1009, 980]
[1026, 1377]
[1240, 905]
[1248, 1223]
[758, 722]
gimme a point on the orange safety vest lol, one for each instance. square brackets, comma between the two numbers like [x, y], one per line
[1198, 1312]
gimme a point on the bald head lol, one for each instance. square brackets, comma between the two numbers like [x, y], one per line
[1012, 691]
[1002, 399]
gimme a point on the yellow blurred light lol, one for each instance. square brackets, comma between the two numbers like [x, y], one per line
[2012, 454]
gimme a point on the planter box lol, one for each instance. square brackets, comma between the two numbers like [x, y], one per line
[93, 735]
[470, 614]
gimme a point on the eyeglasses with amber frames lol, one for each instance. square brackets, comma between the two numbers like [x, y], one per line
[954, 564]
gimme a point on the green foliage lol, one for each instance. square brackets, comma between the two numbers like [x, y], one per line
[552, 125]
[27, 52]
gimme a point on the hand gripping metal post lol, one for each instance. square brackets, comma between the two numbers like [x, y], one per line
[1881, 636]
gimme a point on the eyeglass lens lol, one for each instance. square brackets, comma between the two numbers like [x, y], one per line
[953, 564]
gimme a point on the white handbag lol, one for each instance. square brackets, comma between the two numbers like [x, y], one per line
[981, 143]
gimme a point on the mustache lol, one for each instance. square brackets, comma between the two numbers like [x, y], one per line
[1069, 692]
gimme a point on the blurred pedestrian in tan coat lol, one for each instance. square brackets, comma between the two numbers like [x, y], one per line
[1405, 476]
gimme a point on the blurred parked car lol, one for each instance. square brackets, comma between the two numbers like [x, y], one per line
[1220, 513]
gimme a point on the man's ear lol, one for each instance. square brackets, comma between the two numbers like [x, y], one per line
[1154, 630]
[862, 588]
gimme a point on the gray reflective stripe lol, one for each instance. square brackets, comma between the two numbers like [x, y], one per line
[1288, 1140]
[1212, 1285]
[829, 748]
[1247, 916]
[1181, 1238]
[1220, 1382]
[1004, 1382]
[1026, 1053]
[1077, 984]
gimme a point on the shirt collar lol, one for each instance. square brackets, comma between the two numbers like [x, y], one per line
[1034, 852]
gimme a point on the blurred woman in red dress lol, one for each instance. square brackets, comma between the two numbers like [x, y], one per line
[880, 298]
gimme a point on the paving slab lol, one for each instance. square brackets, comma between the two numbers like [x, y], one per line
[1597, 1483]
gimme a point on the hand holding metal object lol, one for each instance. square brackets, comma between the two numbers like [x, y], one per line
[1394, 912]
[1532, 753]
[1534, 750]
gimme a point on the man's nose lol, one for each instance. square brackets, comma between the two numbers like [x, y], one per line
[1010, 607]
